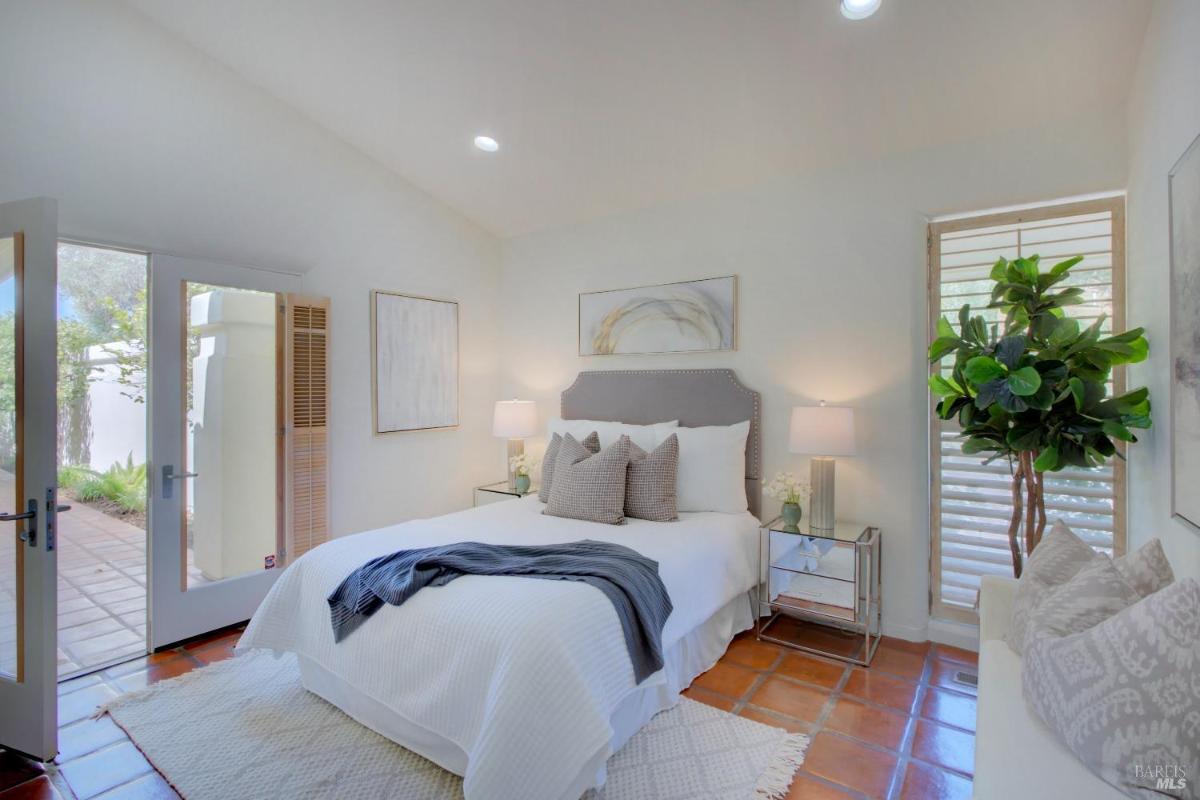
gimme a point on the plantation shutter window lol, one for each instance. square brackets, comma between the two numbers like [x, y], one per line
[971, 500]
[306, 419]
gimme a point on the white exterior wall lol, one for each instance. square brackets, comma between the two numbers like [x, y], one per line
[118, 423]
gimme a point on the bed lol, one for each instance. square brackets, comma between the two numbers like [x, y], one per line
[525, 687]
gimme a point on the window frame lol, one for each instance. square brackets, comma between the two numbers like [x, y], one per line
[1116, 206]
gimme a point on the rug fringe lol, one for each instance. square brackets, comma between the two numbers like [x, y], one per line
[775, 780]
[169, 683]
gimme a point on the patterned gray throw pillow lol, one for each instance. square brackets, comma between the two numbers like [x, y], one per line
[1096, 593]
[650, 489]
[1055, 561]
[1146, 569]
[591, 442]
[589, 486]
[1124, 695]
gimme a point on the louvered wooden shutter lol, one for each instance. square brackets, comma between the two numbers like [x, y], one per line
[971, 500]
[306, 415]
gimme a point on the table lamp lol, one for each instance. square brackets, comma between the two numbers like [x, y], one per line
[822, 432]
[514, 420]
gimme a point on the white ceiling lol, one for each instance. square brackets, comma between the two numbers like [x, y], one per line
[609, 105]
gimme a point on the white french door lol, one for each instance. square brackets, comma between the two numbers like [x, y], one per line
[28, 499]
[215, 443]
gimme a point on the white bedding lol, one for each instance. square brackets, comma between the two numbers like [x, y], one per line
[522, 675]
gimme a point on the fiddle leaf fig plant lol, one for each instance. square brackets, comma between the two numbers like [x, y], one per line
[1032, 389]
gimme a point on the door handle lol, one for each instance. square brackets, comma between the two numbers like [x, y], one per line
[168, 475]
[28, 536]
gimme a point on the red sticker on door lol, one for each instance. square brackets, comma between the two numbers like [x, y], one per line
[269, 562]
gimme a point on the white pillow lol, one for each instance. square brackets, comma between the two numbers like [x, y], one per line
[646, 437]
[712, 468]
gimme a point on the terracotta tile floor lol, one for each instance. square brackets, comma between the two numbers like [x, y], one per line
[900, 730]
[892, 732]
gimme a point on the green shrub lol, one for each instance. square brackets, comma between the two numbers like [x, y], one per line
[71, 476]
[121, 484]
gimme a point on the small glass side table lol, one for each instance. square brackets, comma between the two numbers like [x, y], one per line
[495, 492]
[827, 578]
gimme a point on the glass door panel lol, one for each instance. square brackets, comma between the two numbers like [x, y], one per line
[11, 554]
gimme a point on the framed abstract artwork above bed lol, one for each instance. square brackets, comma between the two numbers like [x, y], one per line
[1184, 190]
[414, 362]
[685, 317]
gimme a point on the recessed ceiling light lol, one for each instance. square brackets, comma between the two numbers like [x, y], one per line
[859, 9]
[487, 144]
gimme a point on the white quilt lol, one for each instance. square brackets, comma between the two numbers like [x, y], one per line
[521, 674]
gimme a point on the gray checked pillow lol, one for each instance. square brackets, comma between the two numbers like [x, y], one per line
[1055, 561]
[1096, 593]
[650, 488]
[1146, 569]
[591, 442]
[589, 486]
[1124, 695]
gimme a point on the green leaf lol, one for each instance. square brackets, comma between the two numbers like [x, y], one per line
[1130, 402]
[976, 445]
[1008, 400]
[999, 270]
[1117, 431]
[1061, 267]
[1071, 296]
[943, 387]
[1066, 330]
[1047, 460]
[944, 329]
[989, 392]
[943, 345]
[1029, 270]
[981, 369]
[1077, 390]
[1024, 381]
[1010, 349]
[1024, 437]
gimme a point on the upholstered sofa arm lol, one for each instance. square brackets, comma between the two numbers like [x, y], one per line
[995, 606]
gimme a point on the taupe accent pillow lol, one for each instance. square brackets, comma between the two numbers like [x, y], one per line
[1096, 593]
[591, 442]
[650, 487]
[1055, 561]
[589, 486]
[1124, 695]
[1146, 569]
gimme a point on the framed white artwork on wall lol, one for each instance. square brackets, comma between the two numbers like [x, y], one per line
[414, 362]
[1184, 192]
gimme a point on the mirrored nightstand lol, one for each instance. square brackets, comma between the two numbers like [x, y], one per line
[495, 492]
[822, 590]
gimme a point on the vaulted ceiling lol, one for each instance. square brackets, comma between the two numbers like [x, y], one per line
[603, 107]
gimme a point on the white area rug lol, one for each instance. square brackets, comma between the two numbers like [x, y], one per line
[246, 728]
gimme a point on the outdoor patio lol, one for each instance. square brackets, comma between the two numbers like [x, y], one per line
[102, 590]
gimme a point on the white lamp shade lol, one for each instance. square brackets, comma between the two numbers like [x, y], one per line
[822, 431]
[515, 419]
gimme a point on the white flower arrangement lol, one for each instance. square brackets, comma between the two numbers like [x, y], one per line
[787, 488]
[522, 465]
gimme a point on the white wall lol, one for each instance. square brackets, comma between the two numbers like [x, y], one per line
[146, 142]
[832, 272]
[1164, 118]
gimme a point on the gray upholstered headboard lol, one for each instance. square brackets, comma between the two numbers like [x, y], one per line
[695, 397]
